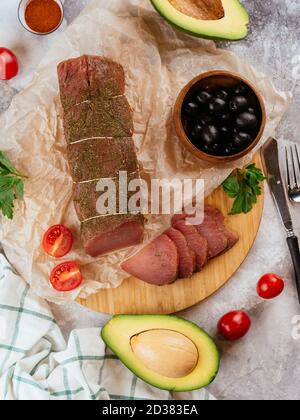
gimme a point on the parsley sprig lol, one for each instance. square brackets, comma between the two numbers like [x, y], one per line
[244, 186]
[11, 186]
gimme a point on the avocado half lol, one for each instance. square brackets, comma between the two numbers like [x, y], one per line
[165, 351]
[215, 19]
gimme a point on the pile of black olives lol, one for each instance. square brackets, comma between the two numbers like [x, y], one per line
[221, 122]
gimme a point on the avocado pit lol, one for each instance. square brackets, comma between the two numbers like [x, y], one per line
[200, 9]
[166, 352]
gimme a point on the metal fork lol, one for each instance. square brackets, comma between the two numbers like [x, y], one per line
[293, 173]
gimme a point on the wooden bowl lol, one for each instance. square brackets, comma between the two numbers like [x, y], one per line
[215, 79]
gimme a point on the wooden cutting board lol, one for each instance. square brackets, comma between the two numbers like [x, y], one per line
[137, 297]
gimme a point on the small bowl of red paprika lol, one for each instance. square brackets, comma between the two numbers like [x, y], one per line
[41, 17]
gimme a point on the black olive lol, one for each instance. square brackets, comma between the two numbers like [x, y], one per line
[203, 98]
[195, 132]
[228, 149]
[190, 109]
[251, 110]
[246, 121]
[222, 94]
[238, 104]
[224, 118]
[215, 149]
[204, 119]
[225, 133]
[240, 90]
[210, 135]
[217, 106]
[207, 88]
[242, 140]
[205, 148]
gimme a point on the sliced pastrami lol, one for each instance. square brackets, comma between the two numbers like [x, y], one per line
[187, 257]
[107, 234]
[156, 264]
[219, 237]
[217, 241]
[196, 242]
[217, 215]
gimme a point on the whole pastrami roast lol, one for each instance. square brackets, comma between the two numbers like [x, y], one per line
[98, 129]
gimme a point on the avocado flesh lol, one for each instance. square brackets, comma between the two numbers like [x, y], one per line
[122, 329]
[232, 26]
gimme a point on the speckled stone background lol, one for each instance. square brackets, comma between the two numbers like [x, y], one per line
[266, 364]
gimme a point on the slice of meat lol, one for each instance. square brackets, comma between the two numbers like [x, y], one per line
[156, 264]
[183, 216]
[217, 215]
[187, 257]
[178, 217]
[217, 241]
[86, 196]
[101, 158]
[98, 118]
[232, 237]
[210, 230]
[213, 229]
[87, 77]
[196, 242]
[106, 234]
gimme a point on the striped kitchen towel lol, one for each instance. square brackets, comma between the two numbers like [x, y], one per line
[37, 364]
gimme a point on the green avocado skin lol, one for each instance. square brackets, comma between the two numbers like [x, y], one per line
[106, 337]
[212, 38]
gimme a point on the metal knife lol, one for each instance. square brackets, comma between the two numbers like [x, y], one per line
[270, 156]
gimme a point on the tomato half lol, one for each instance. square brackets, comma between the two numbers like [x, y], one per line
[270, 286]
[9, 66]
[58, 241]
[234, 325]
[66, 276]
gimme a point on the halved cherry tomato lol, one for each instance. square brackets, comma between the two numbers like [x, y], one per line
[234, 325]
[58, 241]
[9, 66]
[270, 286]
[66, 276]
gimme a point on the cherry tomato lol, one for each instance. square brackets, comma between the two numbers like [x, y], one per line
[66, 276]
[234, 325]
[270, 286]
[58, 241]
[9, 66]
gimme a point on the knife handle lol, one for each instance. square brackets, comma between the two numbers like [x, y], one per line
[295, 254]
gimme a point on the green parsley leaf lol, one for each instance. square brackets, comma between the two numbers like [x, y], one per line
[6, 164]
[11, 186]
[231, 186]
[19, 185]
[244, 186]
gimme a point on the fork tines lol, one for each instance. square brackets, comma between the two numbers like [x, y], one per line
[292, 169]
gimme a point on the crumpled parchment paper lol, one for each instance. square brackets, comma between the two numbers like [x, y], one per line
[158, 61]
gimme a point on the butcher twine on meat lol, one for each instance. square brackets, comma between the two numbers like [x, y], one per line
[98, 128]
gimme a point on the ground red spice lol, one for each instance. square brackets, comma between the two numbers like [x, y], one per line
[43, 15]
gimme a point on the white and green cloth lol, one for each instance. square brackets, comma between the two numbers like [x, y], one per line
[37, 364]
